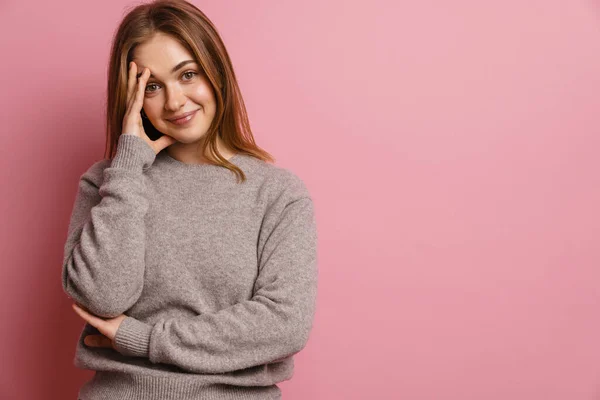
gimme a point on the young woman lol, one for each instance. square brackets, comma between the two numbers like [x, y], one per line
[191, 257]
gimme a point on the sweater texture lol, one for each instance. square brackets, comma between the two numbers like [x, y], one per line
[218, 279]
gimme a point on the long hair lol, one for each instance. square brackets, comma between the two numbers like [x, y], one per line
[188, 25]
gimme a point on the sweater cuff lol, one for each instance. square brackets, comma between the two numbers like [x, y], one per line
[133, 153]
[133, 338]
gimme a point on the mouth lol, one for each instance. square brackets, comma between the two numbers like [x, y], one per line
[182, 118]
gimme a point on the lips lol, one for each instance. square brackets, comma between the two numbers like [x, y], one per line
[174, 119]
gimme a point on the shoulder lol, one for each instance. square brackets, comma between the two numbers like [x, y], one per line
[286, 181]
[279, 182]
[94, 175]
[277, 187]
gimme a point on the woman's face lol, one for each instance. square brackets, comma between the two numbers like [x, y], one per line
[171, 92]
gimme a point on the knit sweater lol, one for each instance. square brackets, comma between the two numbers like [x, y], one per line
[218, 279]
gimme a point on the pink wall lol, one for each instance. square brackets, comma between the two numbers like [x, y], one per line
[452, 151]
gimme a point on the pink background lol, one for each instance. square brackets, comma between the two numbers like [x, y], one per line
[452, 152]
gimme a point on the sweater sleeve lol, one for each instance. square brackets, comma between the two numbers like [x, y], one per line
[273, 325]
[103, 263]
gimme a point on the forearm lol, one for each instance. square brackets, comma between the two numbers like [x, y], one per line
[254, 332]
[272, 325]
[103, 265]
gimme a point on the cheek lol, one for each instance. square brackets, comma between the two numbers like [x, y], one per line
[203, 96]
[203, 92]
[152, 108]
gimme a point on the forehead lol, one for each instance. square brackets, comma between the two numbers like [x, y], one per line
[160, 54]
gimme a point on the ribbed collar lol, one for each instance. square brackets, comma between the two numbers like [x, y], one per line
[198, 169]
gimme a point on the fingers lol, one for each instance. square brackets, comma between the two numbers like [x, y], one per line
[90, 318]
[139, 95]
[131, 81]
[81, 307]
[163, 142]
[97, 341]
[136, 87]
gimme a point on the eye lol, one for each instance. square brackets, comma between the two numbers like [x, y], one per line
[190, 72]
[147, 86]
[193, 73]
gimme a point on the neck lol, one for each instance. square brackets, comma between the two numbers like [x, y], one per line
[190, 153]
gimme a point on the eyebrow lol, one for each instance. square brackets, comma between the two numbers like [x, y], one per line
[175, 68]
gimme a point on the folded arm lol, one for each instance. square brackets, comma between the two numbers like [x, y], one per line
[274, 324]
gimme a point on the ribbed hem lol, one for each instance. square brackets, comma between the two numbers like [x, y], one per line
[126, 386]
[133, 338]
[133, 153]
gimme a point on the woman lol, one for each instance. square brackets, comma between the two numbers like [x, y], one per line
[191, 257]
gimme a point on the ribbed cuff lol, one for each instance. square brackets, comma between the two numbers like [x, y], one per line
[133, 153]
[133, 338]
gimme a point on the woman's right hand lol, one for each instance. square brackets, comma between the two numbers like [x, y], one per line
[132, 121]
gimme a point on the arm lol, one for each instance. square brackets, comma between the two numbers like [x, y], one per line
[103, 264]
[274, 324]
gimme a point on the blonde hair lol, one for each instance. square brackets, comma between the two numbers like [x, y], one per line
[188, 25]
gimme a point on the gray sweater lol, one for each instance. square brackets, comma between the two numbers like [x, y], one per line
[218, 279]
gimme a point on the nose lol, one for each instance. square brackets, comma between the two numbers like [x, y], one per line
[175, 99]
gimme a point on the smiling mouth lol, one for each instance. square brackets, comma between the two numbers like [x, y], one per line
[182, 116]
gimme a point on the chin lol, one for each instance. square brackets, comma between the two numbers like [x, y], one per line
[186, 138]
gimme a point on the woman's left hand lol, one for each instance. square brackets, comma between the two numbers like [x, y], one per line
[108, 328]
